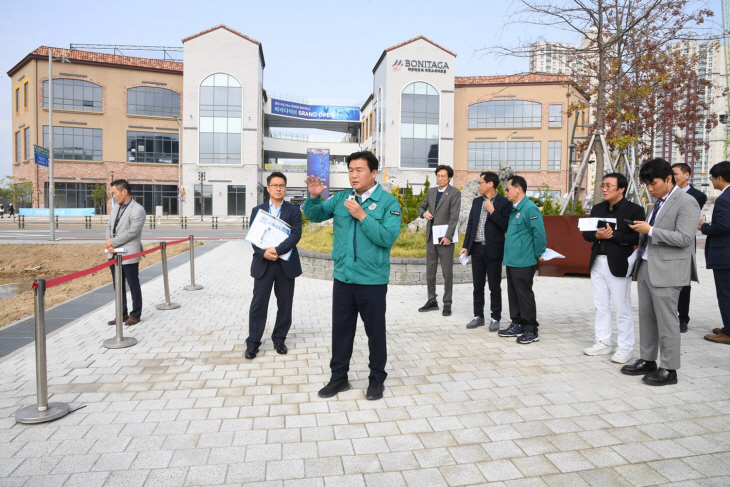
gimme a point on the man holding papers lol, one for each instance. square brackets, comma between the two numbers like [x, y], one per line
[276, 267]
[441, 208]
[613, 243]
[484, 242]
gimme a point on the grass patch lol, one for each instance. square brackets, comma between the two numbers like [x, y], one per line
[407, 244]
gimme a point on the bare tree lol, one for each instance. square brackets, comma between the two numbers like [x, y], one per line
[608, 30]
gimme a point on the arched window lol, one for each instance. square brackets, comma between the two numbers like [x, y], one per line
[220, 120]
[419, 126]
[505, 113]
[152, 101]
[74, 94]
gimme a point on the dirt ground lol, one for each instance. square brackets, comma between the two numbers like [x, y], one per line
[47, 261]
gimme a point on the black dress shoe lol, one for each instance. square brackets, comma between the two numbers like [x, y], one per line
[683, 326]
[446, 311]
[281, 348]
[251, 352]
[430, 306]
[375, 390]
[114, 321]
[334, 387]
[660, 377]
[640, 367]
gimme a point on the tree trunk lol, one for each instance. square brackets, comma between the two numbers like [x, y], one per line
[598, 128]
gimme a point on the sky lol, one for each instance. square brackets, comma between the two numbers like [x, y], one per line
[317, 49]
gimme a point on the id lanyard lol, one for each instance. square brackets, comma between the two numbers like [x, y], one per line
[278, 212]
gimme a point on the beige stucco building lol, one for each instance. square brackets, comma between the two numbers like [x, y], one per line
[530, 112]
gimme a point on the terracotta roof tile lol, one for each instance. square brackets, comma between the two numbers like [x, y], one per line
[221, 26]
[232, 31]
[88, 57]
[524, 78]
[408, 42]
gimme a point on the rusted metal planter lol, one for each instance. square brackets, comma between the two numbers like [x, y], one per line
[564, 237]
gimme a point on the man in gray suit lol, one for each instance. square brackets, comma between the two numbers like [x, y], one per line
[124, 230]
[665, 263]
[440, 207]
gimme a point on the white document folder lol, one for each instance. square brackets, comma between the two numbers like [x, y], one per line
[440, 231]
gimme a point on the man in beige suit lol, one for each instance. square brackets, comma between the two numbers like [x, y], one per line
[440, 207]
[665, 263]
[124, 230]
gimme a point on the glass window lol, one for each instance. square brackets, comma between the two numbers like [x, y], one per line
[17, 146]
[152, 147]
[555, 152]
[17, 99]
[27, 143]
[153, 195]
[72, 195]
[155, 102]
[237, 200]
[419, 126]
[486, 156]
[505, 113]
[25, 95]
[75, 143]
[74, 94]
[555, 116]
[206, 200]
[220, 120]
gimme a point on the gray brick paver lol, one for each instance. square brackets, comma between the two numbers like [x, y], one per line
[461, 407]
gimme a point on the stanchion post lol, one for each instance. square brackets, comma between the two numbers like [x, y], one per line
[167, 304]
[119, 341]
[56, 221]
[192, 286]
[43, 411]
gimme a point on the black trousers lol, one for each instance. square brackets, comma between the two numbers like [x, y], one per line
[522, 308]
[130, 275]
[722, 288]
[484, 270]
[284, 291]
[683, 304]
[349, 300]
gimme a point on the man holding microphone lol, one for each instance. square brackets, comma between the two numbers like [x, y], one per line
[366, 224]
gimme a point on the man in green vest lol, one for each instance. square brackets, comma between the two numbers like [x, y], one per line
[523, 247]
[366, 223]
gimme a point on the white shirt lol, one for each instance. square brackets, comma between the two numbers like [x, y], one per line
[723, 189]
[685, 189]
[367, 194]
[442, 190]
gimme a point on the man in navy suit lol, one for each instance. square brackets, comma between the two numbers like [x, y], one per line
[717, 248]
[484, 242]
[270, 268]
[682, 173]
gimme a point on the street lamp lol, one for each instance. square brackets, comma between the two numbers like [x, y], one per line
[51, 189]
[505, 147]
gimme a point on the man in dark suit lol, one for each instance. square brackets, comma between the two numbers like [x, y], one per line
[666, 261]
[484, 242]
[682, 173]
[717, 248]
[609, 266]
[270, 267]
[440, 207]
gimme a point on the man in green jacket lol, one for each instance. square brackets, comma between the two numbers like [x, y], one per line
[366, 223]
[523, 247]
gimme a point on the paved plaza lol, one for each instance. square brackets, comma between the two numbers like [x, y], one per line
[461, 407]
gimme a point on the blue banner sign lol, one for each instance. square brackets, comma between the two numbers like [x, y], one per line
[318, 165]
[314, 112]
[58, 211]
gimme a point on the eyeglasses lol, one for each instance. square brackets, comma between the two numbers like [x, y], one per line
[608, 186]
[507, 188]
[277, 186]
